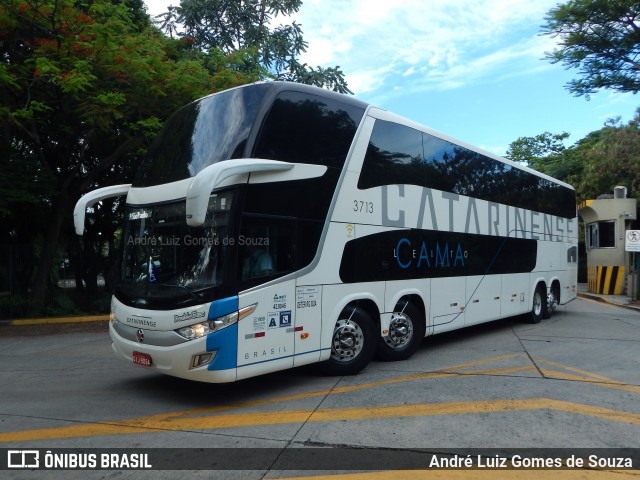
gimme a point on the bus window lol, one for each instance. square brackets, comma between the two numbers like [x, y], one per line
[305, 128]
[266, 248]
[394, 156]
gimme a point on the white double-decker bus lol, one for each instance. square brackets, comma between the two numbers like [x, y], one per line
[276, 225]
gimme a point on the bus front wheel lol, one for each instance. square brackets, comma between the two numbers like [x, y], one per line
[405, 335]
[352, 344]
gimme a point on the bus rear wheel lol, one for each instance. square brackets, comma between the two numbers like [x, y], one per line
[406, 332]
[352, 344]
[553, 299]
[540, 307]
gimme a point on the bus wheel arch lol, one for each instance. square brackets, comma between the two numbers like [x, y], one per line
[353, 341]
[406, 330]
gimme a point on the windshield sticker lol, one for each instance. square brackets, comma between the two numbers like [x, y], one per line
[139, 214]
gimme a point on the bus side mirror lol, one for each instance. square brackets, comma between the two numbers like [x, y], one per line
[92, 197]
[209, 178]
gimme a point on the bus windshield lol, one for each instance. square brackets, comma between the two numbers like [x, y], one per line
[210, 130]
[165, 258]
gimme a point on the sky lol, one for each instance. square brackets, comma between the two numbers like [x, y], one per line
[472, 69]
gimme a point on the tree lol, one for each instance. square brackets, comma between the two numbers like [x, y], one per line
[610, 157]
[546, 153]
[252, 26]
[85, 86]
[594, 165]
[530, 150]
[602, 39]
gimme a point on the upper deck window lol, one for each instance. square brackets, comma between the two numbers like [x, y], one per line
[205, 132]
[398, 154]
[306, 128]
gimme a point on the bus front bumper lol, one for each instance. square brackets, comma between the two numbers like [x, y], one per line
[174, 360]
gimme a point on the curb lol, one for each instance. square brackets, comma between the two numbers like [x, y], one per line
[598, 298]
[54, 320]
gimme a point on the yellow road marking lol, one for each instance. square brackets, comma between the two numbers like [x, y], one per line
[236, 420]
[200, 419]
[443, 373]
[583, 375]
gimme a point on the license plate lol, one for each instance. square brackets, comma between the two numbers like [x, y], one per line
[143, 359]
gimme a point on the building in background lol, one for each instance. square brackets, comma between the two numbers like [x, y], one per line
[606, 220]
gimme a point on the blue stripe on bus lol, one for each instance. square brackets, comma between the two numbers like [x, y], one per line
[223, 307]
[225, 343]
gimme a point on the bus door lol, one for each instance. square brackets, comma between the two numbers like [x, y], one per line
[308, 323]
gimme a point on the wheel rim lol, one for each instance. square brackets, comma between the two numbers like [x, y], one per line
[537, 303]
[553, 301]
[347, 342]
[400, 331]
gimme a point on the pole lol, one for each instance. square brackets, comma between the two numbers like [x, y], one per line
[637, 272]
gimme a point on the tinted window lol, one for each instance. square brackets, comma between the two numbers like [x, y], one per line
[305, 128]
[308, 198]
[401, 155]
[270, 247]
[394, 155]
[205, 132]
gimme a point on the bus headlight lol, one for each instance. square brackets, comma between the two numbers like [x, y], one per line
[193, 332]
[205, 328]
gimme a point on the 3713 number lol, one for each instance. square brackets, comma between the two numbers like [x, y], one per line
[362, 206]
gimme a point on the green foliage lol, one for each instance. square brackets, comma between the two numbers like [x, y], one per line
[611, 158]
[268, 47]
[601, 38]
[85, 87]
[23, 306]
[531, 149]
[594, 165]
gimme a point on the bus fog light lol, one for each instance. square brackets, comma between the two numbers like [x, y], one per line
[202, 359]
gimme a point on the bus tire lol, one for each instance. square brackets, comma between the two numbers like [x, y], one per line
[553, 299]
[406, 332]
[353, 343]
[540, 304]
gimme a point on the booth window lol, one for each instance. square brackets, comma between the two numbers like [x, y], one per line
[601, 234]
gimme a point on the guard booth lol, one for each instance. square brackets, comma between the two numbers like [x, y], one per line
[606, 220]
